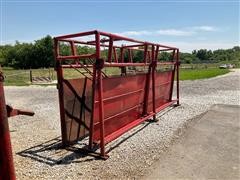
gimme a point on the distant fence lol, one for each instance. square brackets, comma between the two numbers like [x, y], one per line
[199, 66]
[29, 76]
[42, 76]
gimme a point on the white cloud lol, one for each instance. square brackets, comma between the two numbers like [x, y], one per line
[135, 33]
[189, 31]
[204, 28]
[174, 32]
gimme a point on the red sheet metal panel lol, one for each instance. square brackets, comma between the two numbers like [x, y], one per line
[123, 99]
[163, 86]
[163, 82]
[77, 108]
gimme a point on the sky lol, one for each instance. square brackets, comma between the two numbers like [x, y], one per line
[186, 24]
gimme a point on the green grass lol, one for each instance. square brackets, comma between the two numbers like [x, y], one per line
[192, 74]
[15, 77]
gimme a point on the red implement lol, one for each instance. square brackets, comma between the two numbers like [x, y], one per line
[104, 105]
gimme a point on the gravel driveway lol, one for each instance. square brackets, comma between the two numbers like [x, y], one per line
[36, 140]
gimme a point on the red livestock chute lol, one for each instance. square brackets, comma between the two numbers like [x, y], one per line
[104, 105]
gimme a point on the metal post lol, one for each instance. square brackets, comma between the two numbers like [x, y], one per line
[154, 64]
[173, 74]
[130, 56]
[99, 66]
[115, 55]
[145, 53]
[60, 94]
[6, 157]
[123, 69]
[101, 113]
[110, 49]
[178, 63]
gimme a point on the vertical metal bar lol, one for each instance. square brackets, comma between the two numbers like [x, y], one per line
[154, 63]
[110, 48]
[145, 53]
[121, 55]
[6, 158]
[100, 63]
[60, 93]
[148, 56]
[153, 53]
[97, 47]
[178, 63]
[73, 48]
[130, 55]
[101, 113]
[156, 53]
[115, 55]
[123, 69]
[173, 76]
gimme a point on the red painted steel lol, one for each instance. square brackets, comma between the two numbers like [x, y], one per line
[102, 106]
[6, 157]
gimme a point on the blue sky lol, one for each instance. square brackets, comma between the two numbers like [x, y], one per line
[189, 24]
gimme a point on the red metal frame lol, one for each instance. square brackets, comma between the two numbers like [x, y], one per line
[110, 114]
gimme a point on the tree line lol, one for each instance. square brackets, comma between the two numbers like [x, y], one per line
[40, 54]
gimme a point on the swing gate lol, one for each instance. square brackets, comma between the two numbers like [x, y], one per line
[104, 105]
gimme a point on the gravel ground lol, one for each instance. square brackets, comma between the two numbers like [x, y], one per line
[36, 141]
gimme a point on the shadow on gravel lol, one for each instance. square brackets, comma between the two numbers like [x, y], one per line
[52, 153]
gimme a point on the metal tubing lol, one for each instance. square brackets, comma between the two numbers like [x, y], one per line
[110, 49]
[154, 64]
[177, 62]
[117, 37]
[73, 48]
[84, 56]
[130, 55]
[60, 95]
[6, 158]
[145, 53]
[91, 43]
[172, 79]
[156, 54]
[115, 55]
[117, 64]
[101, 113]
[100, 95]
[76, 35]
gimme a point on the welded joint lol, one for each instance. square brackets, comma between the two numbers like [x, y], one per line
[99, 64]
[154, 64]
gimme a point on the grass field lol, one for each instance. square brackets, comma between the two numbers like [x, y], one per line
[15, 77]
[192, 74]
